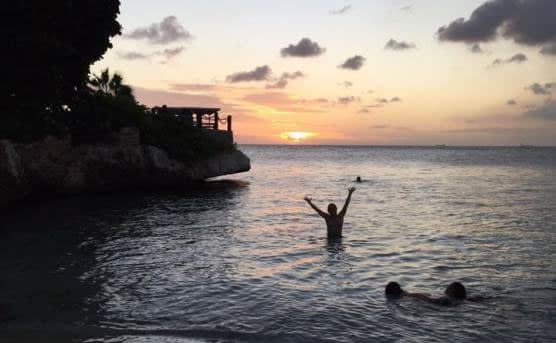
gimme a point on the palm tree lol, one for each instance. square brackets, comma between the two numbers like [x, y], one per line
[107, 85]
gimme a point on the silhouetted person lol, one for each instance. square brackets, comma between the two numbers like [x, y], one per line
[454, 294]
[334, 220]
[358, 179]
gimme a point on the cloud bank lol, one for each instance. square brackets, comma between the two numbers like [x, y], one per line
[283, 80]
[539, 89]
[261, 73]
[304, 48]
[353, 63]
[395, 45]
[517, 58]
[527, 22]
[166, 32]
[166, 54]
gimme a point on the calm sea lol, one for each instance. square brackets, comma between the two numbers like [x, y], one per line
[244, 259]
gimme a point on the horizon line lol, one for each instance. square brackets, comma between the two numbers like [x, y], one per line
[524, 146]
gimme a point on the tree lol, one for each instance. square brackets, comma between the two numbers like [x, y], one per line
[50, 46]
[110, 85]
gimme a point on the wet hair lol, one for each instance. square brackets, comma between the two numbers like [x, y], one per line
[332, 209]
[393, 290]
[358, 179]
[455, 290]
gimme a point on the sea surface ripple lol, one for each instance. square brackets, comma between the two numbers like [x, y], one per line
[244, 259]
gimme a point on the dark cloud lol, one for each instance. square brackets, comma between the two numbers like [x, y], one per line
[261, 73]
[353, 63]
[279, 84]
[305, 48]
[545, 112]
[133, 56]
[386, 101]
[511, 102]
[528, 22]
[395, 45]
[292, 76]
[167, 54]
[549, 49]
[165, 32]
[517, 58]
[171, 53]
[348, 100]
[341, 10]
[476, 49]
[282, 82]
[539, 89]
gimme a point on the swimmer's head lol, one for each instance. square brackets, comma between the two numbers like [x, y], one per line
[358, 179]
[332, 209]
[393, 290]
[455, 290]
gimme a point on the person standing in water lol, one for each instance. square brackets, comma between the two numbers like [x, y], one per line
[334, 220]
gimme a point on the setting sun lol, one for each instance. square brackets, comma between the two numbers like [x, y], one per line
[297, 136]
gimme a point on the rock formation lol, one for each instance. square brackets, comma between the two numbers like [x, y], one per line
[54, 167]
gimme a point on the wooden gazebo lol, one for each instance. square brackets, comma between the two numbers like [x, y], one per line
[202, 117]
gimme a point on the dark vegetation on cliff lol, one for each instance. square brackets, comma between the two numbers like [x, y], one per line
[47, 88]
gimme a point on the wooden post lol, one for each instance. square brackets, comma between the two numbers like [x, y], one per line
[199, 120]
[229, 123]
[216, 121]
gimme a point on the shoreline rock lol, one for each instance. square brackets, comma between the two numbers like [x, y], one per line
[53, 167]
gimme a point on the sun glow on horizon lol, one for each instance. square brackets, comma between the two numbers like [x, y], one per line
[297, 136]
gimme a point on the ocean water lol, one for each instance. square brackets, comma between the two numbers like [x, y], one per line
[244, 258]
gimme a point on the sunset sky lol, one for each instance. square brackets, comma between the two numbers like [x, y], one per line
[350, 72]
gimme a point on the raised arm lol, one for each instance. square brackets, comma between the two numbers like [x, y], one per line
[344, 209]
[310, 202]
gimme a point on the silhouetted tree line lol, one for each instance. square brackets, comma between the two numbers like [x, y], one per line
[50, 46]
[47, 88]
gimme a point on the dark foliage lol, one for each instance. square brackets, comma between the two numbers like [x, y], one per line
[46, 88]
[180, 140]
[49, 46]
[109, 104]
[97, 116]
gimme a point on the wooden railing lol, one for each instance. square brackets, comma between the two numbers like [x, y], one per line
[201, 117]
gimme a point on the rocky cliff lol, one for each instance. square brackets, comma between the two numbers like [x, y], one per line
[53, 166]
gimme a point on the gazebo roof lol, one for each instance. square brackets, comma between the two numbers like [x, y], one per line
[196, 110]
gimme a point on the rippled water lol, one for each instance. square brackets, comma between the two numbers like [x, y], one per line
[247, 260]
